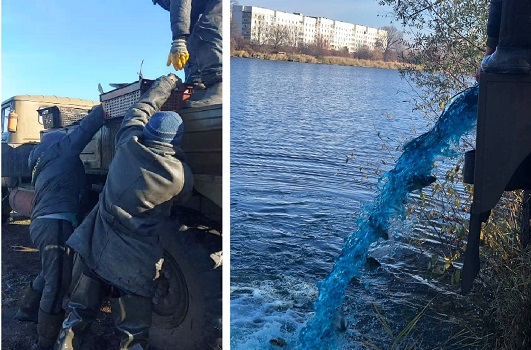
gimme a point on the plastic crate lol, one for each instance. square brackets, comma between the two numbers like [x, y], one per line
[116, 102]
[59, 117]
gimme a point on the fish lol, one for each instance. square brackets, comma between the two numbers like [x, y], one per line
[378, 228]
[118, 85]
[340, 324]
[372, 263]
[418, 182]
[279, 342]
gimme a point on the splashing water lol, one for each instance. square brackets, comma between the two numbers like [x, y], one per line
[412, 171]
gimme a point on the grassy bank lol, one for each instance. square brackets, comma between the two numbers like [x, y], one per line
[295, 57]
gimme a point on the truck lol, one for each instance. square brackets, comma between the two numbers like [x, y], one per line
[187, 304]
[21, 130]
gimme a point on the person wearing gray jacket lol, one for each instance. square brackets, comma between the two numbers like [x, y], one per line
[196, 26]
[118, 242]
[59, 179]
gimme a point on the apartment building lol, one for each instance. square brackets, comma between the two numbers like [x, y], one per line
[255, 23]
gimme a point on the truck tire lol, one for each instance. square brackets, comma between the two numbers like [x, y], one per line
[187, 305]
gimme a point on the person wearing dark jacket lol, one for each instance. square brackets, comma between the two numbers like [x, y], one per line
[118, 242]
[192, 74]
[196, 27]
[508, 48]
[59, 179]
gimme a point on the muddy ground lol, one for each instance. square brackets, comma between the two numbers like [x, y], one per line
[20, 264]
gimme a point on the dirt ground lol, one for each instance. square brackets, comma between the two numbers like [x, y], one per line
[20, 264]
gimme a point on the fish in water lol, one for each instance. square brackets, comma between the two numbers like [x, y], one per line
[372, 263]
[418, 182]
[378, 227]
[279, 342]
[340, 323]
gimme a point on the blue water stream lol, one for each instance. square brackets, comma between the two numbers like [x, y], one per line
[412, 171]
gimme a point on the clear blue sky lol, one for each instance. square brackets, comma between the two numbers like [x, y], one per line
[363, 12]
[66, 47]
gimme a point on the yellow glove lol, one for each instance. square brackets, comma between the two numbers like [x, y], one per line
[178, 55]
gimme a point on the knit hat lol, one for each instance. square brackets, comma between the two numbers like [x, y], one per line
[165, 127]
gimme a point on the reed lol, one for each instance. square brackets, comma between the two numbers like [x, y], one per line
[296, 57]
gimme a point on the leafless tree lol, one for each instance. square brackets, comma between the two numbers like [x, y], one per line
[279, 36]
[260, 33]
[292, 40]
[237, 41]
[322, 45]
[363, 53]
[393, 44]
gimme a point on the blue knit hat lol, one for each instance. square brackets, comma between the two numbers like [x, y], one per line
[165, 127]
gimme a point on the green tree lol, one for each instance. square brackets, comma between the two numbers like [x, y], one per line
[445, 44]
[445, 41]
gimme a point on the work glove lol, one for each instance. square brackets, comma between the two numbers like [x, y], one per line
[178, 55]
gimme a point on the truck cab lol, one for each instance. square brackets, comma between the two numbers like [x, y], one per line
[21, 130]
[22, 124]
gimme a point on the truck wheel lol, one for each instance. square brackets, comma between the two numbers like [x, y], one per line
[187, 304]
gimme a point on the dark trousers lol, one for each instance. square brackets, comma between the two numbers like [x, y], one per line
[207, 41]
[50, 235]
[131, 313]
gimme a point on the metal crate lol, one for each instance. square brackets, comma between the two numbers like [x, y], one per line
[59, 117]
[116, 102]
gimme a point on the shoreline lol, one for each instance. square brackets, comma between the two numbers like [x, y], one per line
[331, 60]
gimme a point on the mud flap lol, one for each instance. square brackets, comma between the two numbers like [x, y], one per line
[471, 264]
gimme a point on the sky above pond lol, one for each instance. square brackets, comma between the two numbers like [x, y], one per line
[363, 12]
[65, 47]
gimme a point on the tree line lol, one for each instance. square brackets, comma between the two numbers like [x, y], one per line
[283, 38]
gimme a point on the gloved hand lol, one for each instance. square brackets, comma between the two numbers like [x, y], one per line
[173, 79]
[96, 115]
[178, 55]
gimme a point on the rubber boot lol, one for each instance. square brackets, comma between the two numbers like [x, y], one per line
[83, 308]
[199, 92]
[132, 317]
[28, 308]
[48, 329]
[213, 95]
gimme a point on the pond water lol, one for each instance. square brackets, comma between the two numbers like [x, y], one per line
[295, 198]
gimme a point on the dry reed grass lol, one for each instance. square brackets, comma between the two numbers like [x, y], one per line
[341, 61]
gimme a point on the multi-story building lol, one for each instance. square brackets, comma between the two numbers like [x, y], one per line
[256, 23]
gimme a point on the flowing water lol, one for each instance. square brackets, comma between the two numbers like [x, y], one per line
[303, 218]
